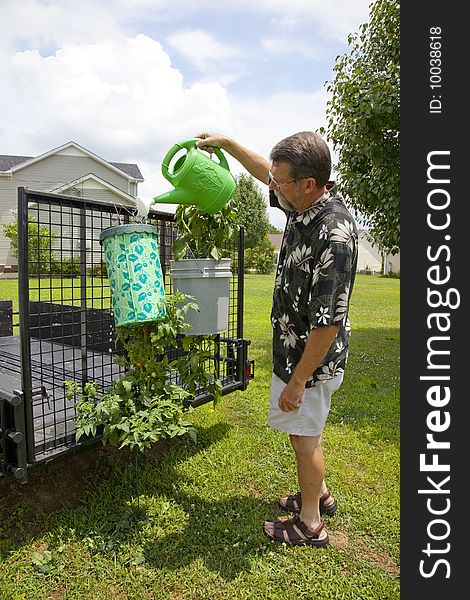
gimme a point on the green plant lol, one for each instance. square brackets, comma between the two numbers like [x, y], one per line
[261, 258]
[363, 123]
[252, 211]
[147, 402]
[40, 238]
[392, 274]
[201, 235]
[70, 266]
[98, 270]
[45, 563]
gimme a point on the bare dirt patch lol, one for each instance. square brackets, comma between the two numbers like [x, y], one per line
[59, 484]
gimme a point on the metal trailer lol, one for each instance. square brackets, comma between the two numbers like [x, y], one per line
[60, 326]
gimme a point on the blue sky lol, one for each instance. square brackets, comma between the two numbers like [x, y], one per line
[129, 78]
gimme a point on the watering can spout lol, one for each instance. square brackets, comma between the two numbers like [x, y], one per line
[176, 196]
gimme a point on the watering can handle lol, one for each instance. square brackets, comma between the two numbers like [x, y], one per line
[188, 144]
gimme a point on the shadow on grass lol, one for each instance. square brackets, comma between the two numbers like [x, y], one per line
[225, 535]
[71, 478]
[165, 527]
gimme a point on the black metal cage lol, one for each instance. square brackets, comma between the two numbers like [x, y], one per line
[60, 325]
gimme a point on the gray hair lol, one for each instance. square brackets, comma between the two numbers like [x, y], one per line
[307, 154]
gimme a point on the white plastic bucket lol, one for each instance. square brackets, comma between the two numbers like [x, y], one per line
[208, 282]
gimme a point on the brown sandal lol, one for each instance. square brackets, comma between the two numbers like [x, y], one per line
[295, 532]
[293, 504]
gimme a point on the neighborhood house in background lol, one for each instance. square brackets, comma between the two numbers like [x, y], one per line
[70, 169]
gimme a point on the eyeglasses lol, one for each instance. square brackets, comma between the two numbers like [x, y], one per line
[279, 185]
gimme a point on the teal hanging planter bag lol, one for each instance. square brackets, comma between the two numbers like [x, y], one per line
[134, 272]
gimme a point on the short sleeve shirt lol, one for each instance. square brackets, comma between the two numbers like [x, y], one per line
[314, 280]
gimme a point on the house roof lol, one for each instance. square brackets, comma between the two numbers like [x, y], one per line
[7, 162]
[15, 163]
[129, 168]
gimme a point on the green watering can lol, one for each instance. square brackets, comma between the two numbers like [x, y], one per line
[197, 178]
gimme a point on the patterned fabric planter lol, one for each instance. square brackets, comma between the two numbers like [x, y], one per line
[134, 273]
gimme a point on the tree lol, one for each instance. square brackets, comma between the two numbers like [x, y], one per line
[363, 118]
[251, 209]
[274, 229]
[261, 258]
[40, 238]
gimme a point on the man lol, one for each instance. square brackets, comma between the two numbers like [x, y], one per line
[314, 281]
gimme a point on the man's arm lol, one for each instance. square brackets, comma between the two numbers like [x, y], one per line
[253, 162]
[318, 343]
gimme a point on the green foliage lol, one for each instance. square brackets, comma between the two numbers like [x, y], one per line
[253, 215]
[41, 258]
[392, 274]
[40, 240]
[146, 403]
[45, 563]
[201, 235]
[66, 266]
[261, 258]
[364, 119]
[72, 266]
[98, 270]
[251, 209]
[274, 229]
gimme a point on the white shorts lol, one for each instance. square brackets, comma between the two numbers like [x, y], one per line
[310, 418]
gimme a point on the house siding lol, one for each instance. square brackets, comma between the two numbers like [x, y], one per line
[95, 193]
[392, 263]
[66, 224]
[55, 171]
[49, 174]
[370, 258]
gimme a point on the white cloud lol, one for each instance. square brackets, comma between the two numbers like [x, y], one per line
[336, 19]
[120, 97]
[259, 124]
[57, 22]
[262, 123]
[202, 49]
[125, 102]
[285, 24]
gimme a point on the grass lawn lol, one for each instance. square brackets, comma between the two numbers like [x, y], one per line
[71, 533]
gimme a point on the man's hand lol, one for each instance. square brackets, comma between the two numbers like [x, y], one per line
[291, 397]
[253, 162]
[318, 342]
[211, 140]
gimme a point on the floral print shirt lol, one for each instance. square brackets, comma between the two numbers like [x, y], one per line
[314, 280]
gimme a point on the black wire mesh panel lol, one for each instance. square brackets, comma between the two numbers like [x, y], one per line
[66, 325]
